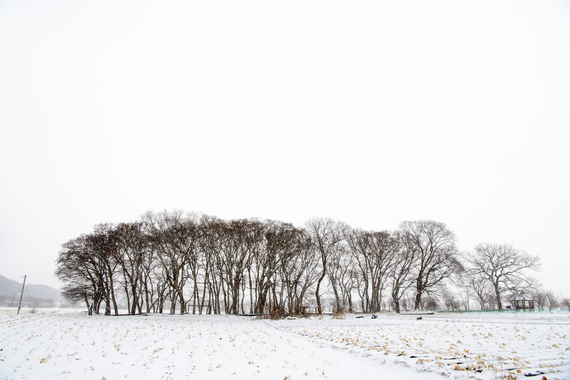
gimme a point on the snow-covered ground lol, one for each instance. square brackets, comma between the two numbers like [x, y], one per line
[71, 345]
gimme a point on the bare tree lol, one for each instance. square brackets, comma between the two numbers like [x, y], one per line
[503, 267]
[401, 280]
[299, 272]
[81, 274]
[234, 246]
[374, 254]
[477, 285]
[342, 277]
[102, 245]
[150, 284]
[87, 265]
[450, 299]
[282, 244]
[210, 245]
[540, 299]
[325, 234]
[404, 262]
[174, 240]
[437, 254]
[552, 300]
[545, 298]
[131, 255]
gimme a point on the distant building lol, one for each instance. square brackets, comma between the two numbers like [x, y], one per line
[309, 310]
[523, 303]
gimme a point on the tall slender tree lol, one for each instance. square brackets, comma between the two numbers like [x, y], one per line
[326, 235]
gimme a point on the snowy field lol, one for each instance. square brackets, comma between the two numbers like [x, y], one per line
[56, 344]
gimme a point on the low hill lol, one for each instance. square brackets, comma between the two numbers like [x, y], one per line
[10, 289]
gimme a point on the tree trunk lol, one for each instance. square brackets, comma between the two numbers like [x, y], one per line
[339, 305]
[317, 295]
[418, 302]
[396, 299]
[498, 295]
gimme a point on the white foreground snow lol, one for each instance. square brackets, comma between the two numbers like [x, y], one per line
[72, 345]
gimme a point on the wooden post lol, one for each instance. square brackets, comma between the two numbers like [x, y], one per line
[21, 294]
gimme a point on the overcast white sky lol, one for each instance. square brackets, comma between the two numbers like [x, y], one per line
[367, 112]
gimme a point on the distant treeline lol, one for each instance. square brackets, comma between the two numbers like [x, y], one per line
[204, 264]
[29, 301]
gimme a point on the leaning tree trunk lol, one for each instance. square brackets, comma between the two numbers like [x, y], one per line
[317, 293]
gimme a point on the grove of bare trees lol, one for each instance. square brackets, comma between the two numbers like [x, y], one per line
[206, 265]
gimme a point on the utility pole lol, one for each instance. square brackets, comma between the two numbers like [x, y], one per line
[22, 294]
